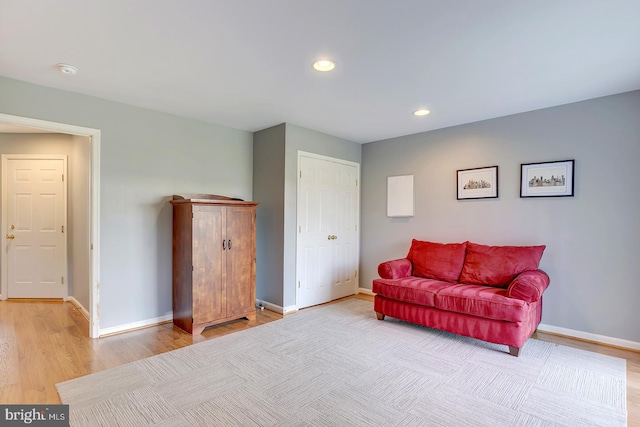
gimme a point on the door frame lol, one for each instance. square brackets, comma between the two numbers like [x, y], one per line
[4, 278]
[93, 136]
[299, 171]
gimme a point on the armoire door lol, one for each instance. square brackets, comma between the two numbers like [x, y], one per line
[240, 259]
[209, 291]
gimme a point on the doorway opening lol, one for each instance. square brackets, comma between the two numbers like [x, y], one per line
[81, 135]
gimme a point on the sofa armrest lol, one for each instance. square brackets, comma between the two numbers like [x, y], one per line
[528, 285]
[395, 269]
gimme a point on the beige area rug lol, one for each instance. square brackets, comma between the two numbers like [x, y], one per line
[336, 365]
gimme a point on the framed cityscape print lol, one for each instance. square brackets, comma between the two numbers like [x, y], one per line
[478, 183]
[548, 179]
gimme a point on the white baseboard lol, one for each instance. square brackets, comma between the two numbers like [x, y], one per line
[135, 325]
[169, 317]
[290, 309]
[78, 306]
[601, 339]
[277, 308]
[269, 306]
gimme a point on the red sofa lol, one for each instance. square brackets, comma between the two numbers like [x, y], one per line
[492, 293]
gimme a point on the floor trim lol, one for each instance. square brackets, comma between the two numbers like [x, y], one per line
[587, 336]
[79, 307]
[276, 308]
[136, 325]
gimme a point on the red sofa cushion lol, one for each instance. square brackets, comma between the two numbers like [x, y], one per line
[498, 265]
[411, 289]
[484, 301]
[441, 261]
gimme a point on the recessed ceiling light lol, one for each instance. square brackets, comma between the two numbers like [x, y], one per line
[422, 112]
[324, 65]
[67, 69]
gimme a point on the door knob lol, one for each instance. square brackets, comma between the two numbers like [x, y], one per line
[11, 236]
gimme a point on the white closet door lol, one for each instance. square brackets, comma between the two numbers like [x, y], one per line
[327, 262]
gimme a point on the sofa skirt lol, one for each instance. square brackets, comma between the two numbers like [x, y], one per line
[495, 331]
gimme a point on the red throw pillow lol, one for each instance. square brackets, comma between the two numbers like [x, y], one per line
[441, 261]
[498, 265]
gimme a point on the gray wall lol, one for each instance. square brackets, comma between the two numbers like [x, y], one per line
[593, 239]
[78, 152]
[268, 189]
[275, 186]
[146, 156]
[80, 219]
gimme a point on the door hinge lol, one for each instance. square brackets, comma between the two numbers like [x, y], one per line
[62, 177]
[62, 227]
[299, 229]
[356, 182]
[356, 228]
[300, 174]
[192, 268]
[298, 284]
[62, 280]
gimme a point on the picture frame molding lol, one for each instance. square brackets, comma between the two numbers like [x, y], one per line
[489, 173]
[530, 171]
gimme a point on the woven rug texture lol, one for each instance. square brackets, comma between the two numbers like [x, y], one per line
[337, 365]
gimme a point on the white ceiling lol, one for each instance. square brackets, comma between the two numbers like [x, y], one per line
[247, 63]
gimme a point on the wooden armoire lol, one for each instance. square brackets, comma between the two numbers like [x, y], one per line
[214, 260]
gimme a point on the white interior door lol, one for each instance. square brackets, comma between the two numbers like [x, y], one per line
[35, 239]
[327, 259]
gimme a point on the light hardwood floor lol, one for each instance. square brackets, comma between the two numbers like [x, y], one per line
[44, 343]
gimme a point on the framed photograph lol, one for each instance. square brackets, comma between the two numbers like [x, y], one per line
[400, 196]
[548, 179]
[478, 183]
